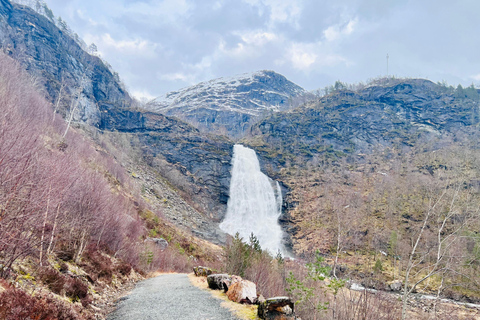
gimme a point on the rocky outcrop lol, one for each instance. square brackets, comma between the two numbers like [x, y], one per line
[395, 285]
[277, 308]
[396, 112]
[56, 59]
[229, 105]
[196, 163]
[159, 242]
[242, 291]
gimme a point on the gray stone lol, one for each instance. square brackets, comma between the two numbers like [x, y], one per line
[229, 281]
[202, 271]
[395, 285]
[216, 281]
[159, 242]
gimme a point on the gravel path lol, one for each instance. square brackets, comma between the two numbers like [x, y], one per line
[169, 296]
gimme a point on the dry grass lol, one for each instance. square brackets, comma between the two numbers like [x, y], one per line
[242, 311]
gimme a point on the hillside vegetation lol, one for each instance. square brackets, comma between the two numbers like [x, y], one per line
[72, 225]
[383, 182]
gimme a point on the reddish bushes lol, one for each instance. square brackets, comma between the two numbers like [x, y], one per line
[124, 268]
[98, 265]
[53, 279]
[73, 287]
[54, 200]
[76, 289]
[16, 304]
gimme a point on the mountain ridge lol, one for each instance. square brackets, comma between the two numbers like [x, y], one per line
[229, 104]
[78, 81]
[346, 122]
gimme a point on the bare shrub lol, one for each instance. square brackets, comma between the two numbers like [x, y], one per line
[124, 268]
[75, 288]
[97, 264]
[16, 304]
[54, 280]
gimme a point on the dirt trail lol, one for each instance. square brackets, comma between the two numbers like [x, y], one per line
[169, 296]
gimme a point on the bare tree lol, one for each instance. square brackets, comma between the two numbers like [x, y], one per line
[76, 100]
[434, 249]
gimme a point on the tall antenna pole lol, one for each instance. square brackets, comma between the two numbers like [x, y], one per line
[387, 65]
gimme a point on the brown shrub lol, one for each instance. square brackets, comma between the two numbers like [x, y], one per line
[76, 289]
[63, 267]
[124, 268]
[16, 304]
[98, 265]
[53, 279]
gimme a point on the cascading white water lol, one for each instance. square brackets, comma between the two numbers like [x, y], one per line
[255, 202]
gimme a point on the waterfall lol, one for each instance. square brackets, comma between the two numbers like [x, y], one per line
[255, 202]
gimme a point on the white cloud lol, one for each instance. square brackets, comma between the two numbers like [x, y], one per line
[178, 76]
[301, 59]
[142, 95]
[335, 32]
[308, 57]
[217, 5]
[166, 11]
[136, 47]
[252, 44]
[476, 77]
[257, 38]
[284, 10]
[281, 11]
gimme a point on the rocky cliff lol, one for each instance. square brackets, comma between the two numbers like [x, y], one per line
[196, 163]
[56, 60]
[229, 105]
[385, 113]
[193, 164]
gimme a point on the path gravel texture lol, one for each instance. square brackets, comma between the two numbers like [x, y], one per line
[169, 296]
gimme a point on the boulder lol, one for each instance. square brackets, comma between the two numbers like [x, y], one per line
[159, 242]
[260, 299]
[395, 285]
[277, 308]
[215, 281]
[229, 281]
[243, 291]
[202, 271]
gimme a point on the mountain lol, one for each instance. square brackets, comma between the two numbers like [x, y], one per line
[194, 164]
[229, 105]
[80, 81]
[390, 112]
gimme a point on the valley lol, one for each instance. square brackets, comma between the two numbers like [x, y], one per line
[374, 184]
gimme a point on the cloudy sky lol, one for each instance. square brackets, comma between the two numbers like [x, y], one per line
[159, 46]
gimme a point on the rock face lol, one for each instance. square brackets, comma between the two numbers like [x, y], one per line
[159, 242]
[229, 105]
[277, 308]
[196, 163]
[243, 291]
[55, 58]
[395, 285]
[394, 112]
